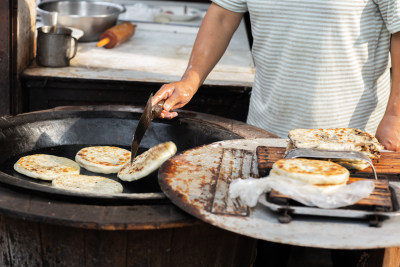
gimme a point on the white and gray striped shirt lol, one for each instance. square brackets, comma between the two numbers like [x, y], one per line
[319, 63]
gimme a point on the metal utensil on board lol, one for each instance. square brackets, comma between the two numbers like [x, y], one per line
[329, 154]
[150, 112]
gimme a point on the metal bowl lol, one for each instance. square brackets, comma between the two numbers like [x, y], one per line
[93, 18]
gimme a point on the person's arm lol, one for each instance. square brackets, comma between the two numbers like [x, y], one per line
[388, 132]
[211, 42]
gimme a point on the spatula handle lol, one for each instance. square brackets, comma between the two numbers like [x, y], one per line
[157, 108]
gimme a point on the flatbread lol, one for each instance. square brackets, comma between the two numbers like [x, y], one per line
[87, 184]
[342, 139]
[45, 167]
[352, 164]
[338, 139]
[103, 159]
[310, 171]
[147, 162]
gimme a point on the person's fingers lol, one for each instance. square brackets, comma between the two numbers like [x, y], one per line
[168, 115]
[176, 95]
[163, 93]
[171, 115]
[175, 101]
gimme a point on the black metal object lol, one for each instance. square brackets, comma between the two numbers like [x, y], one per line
[5, 52]
[375, 218]
[63, 133]
[49, 92]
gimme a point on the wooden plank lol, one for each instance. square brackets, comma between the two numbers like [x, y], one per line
[388, 163]
[200, 245]
[34, 244]
[62, 246]
[5, 256]
[105, 248]
[150, 248]
[24, 242]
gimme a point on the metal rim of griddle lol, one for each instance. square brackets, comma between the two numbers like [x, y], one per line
[32, 186]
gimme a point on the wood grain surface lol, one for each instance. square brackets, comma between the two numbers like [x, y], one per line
[388, 163]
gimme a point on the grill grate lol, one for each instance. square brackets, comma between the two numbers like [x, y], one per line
[234, 164]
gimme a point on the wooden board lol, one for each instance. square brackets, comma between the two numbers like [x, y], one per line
[388, 163]
[379, 200]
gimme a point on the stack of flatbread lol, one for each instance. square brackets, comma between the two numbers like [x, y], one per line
[317, 183]
[339, 139]
[311, 182]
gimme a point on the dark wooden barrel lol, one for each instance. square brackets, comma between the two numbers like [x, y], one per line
[38, 230]
[28, 243]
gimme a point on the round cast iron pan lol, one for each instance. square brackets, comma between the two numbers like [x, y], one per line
[63, 133]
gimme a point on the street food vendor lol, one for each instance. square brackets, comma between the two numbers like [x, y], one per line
[318, 64]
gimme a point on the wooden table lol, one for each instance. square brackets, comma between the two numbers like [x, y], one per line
[157, 52]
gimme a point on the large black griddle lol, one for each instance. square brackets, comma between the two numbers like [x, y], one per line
[63, 133]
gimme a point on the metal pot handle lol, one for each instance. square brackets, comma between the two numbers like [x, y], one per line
[75, 47]
[47, 17]
[123, 9]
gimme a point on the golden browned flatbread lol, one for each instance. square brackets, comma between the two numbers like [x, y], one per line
[87, 184]
[339, 139]
[316, 172]
[147, 162]
[103, 159]
[45, 167]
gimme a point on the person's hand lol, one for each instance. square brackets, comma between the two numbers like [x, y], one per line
[388, 132]
[176, 95]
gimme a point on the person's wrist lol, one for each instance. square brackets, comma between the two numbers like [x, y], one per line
[192, 80]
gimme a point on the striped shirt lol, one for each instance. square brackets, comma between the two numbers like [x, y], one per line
[319, 63]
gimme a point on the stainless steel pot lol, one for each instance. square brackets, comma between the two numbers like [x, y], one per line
[93, 18]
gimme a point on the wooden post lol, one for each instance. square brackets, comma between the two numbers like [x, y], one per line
[391, 257]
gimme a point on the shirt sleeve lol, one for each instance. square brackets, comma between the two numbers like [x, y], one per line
[390, 11]
[239, 6]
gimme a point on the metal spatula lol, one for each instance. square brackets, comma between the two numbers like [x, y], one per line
[329, 154]
[150, 112]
